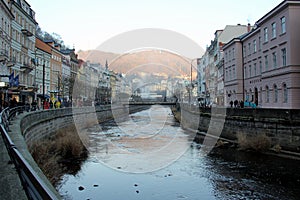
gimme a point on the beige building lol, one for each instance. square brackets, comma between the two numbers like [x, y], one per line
[264, 67]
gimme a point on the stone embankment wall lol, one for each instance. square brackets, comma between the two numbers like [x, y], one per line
[33, 126]
[41, 124]
[282, 126]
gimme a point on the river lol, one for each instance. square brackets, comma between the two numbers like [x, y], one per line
[163, 162]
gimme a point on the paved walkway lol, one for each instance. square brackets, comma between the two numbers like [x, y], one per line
[10, 184]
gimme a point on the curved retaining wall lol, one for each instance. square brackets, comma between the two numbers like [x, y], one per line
[29, 127]
[41, 124]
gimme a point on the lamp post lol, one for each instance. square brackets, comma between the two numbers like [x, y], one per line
[43, 83]
[43, 77]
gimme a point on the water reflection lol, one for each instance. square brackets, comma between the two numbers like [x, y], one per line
[223, 174]
[140, 149]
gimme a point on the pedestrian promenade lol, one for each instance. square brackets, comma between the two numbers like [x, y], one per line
[10, 184]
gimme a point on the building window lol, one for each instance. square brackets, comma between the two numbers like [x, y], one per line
[244, 51]
[285, 93]
[249, 48]
[260, 67]
[283, 27]
[254, 46]
[274, 30]
[233, 54]
[266, 63]
[255, 71]
[245, 71]
[265, 34]
[267, 94]
[233, 72]
[274, 60]
[226, 75]
[283, 54]
[250, 73]
[275, 94]
[259, 43]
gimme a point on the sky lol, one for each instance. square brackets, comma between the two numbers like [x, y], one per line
[87, 24]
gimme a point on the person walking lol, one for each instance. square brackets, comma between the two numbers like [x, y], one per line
[235, 103]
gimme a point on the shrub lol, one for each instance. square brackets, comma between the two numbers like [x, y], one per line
[54, 155]
[259, 142]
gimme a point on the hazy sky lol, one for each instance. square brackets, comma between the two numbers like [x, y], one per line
[87, 24]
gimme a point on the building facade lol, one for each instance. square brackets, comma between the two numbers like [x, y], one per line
[6, 77]
[66, 77]
[212, 64]
[23, 47]
[270, 65]
[42, 66]
[6, 18]
[233, 71]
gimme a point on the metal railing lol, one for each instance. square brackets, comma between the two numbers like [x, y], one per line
[34, 186]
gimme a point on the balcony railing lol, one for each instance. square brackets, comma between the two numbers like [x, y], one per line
[3, 55]
[11, 62]
[27, 32]
[26, 67]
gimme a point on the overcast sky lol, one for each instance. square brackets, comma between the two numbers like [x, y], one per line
[87, 24]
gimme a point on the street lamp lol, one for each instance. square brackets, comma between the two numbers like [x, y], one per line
[43, 78]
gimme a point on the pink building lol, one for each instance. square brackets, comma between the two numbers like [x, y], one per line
[263, 66]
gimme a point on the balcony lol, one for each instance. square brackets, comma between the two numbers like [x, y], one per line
[3, 55]
[26, 32]
[11, 62]
[26, 68]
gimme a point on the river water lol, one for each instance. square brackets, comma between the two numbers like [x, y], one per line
[162, 162]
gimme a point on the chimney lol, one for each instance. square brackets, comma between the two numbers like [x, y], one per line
[249, 27]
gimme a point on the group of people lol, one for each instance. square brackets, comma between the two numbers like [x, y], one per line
[56, 103]
[236, 104]
[241, 104]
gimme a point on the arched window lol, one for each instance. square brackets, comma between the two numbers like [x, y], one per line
[275, 93]
[267, 94]
[285, 93]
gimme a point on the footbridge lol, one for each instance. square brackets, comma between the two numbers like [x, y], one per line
[151, 103]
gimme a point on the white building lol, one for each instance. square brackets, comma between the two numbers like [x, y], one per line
[23, 45]
[6, 18]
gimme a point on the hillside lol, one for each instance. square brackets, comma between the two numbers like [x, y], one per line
[96, 56]
[147, 61]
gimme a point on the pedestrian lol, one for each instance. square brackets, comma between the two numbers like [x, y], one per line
[235, 103]
[57, 104]
[51, 104]
[34, 105]
[241, 104]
